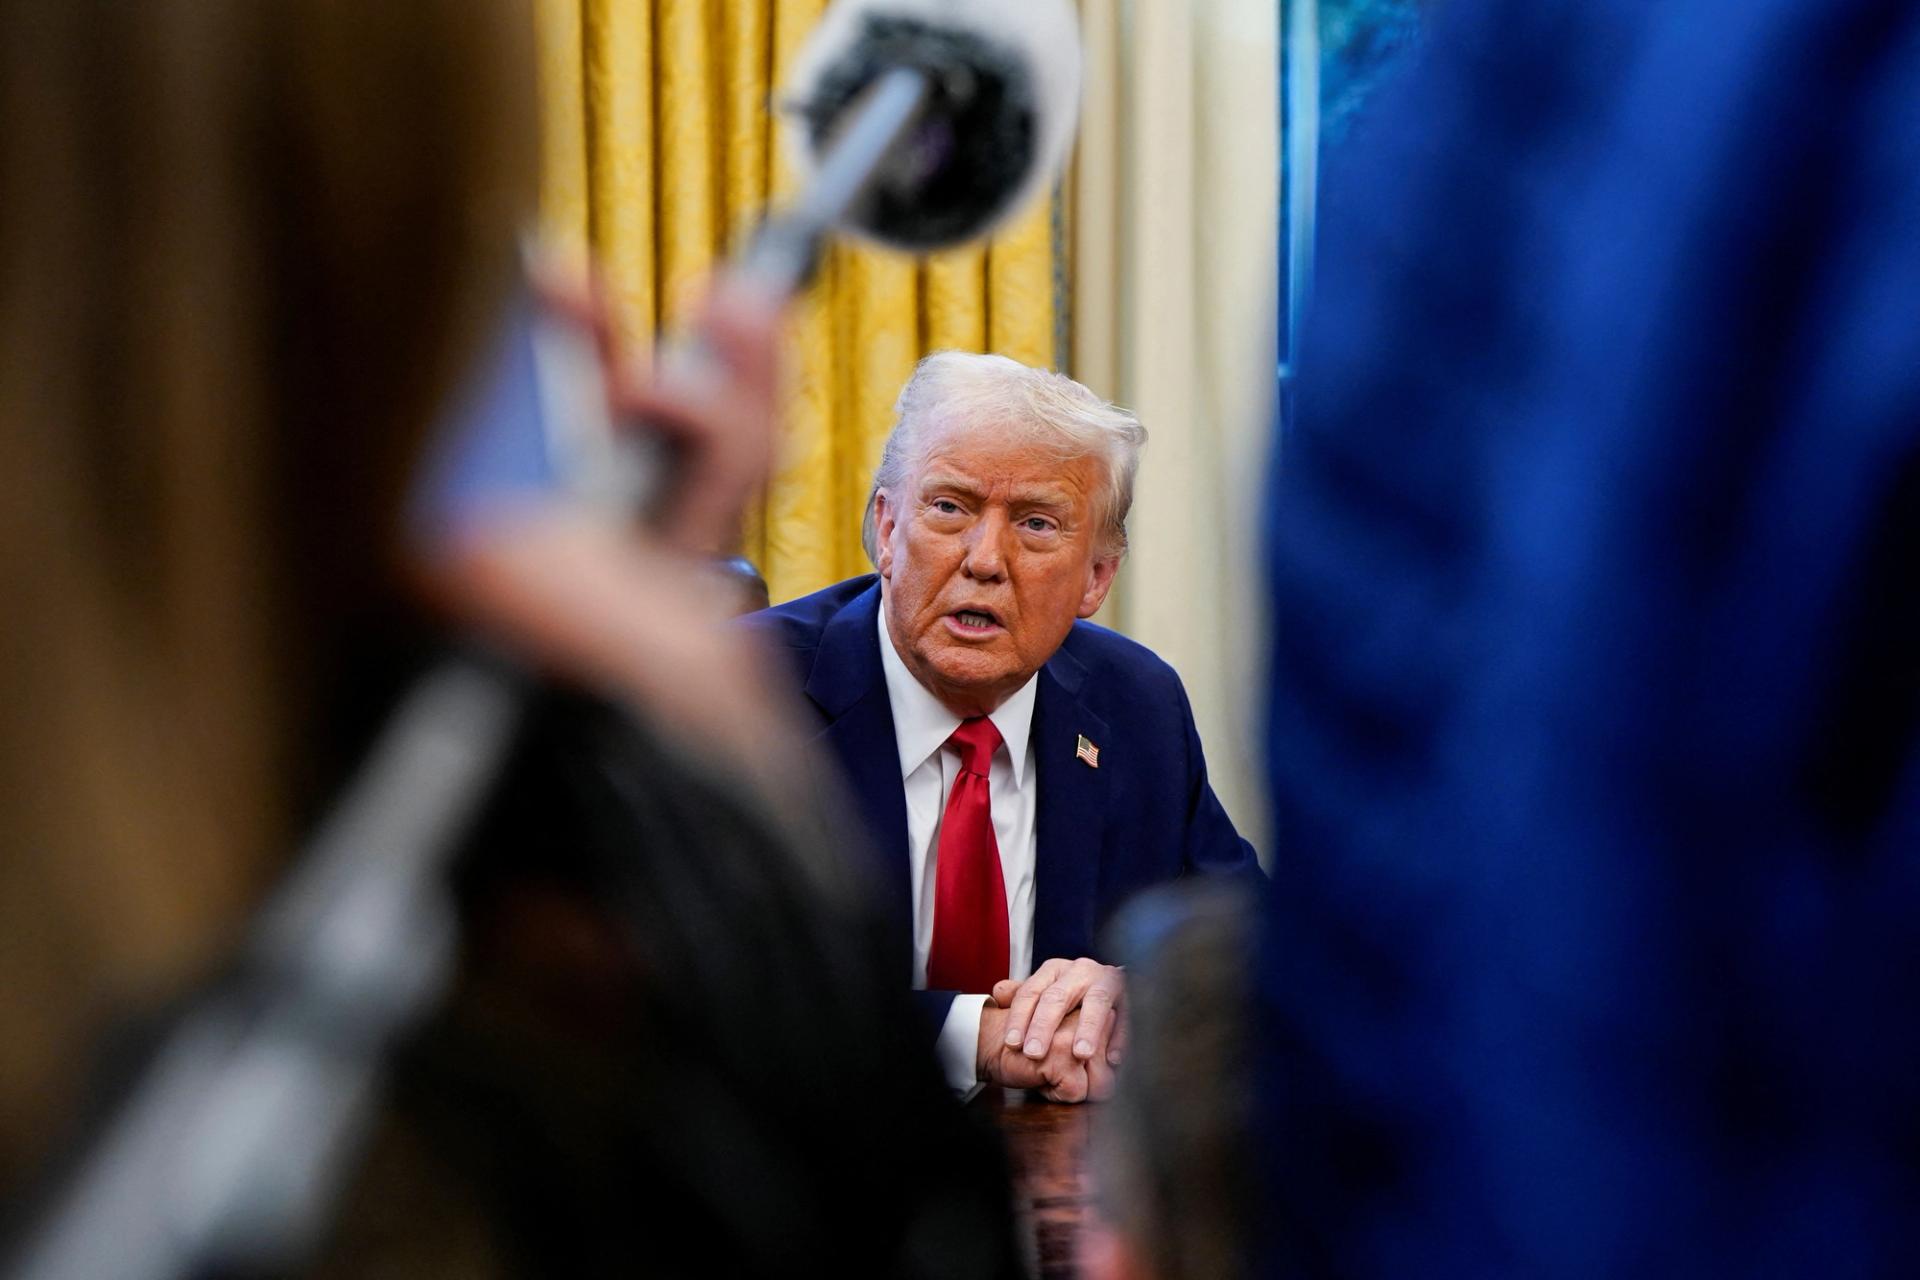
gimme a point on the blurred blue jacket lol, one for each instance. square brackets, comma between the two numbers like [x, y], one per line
[1595, 549]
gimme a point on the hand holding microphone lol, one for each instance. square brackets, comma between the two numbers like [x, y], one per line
[710, 398]
[915, 123]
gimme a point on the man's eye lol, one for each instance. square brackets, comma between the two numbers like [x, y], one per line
[946, 506]
[1039, 524]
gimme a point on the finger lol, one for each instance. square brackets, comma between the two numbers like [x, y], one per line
[1069, 1084]
[726, 365]
[565, 291]
[742, 324]
[1113, 981]
[1057, 1001]
[1011, 1071]
[1020, 1011]
[1117, 1039]
[1049, 1012]
[1102, 1036]
[1116, 1019]
[686, 400]
[1095, 1008]
[1002, 995]
[722, 435]
[1100, 1081]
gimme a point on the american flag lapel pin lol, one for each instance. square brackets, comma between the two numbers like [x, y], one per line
[1087, 752]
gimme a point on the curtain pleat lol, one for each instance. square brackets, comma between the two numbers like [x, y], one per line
[660, 154]
[884, 307]
[746, 46]
[953, 292]
[1020, 289]
[559, 44]
[619, 112]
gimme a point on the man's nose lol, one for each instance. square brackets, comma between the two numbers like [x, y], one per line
[986, 552]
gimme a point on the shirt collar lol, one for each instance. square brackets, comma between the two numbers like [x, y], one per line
[921, 725]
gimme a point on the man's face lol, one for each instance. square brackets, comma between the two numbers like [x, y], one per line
[989, 552]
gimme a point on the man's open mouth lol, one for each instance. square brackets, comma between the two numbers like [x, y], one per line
[974, 620]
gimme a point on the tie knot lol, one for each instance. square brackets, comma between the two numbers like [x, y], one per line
[975, 740]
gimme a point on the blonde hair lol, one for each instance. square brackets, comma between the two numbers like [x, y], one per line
[245, 246]
[959, 391]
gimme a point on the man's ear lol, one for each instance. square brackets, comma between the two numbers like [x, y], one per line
[883, 524]
[1099, 582]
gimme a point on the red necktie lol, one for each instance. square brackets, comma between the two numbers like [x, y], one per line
[969, 951]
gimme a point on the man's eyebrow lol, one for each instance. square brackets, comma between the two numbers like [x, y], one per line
[952, 483]
[1058, 499]
[1048, 497]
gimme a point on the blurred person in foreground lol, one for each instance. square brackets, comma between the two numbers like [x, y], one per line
[1021, 770]
[1172, 1165]
[246, 251]
[1596, 701]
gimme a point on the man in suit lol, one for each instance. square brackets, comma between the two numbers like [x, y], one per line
[1021, 771]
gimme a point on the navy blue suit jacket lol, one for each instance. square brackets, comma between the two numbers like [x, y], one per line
[1145, 815]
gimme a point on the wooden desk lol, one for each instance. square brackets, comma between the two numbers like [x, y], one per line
[1047, 1147]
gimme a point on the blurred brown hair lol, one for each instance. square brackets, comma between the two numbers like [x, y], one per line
[246, 246]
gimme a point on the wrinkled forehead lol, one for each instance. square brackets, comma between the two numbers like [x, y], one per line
[1006, 443]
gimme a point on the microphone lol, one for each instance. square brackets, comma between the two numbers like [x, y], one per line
[1001, 91]
[916, 123]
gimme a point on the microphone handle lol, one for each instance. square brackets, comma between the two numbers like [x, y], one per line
[226, 1157]
[786, 249]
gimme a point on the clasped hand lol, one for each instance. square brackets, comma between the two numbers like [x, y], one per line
[1061, 1032]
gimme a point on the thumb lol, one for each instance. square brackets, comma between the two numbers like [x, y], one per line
[1068, 1084]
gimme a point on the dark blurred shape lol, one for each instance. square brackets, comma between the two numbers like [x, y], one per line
[998, 90]
[740, 574]
[1174, 1157]
[667, 991]
[1361, 41]
[1597, 677]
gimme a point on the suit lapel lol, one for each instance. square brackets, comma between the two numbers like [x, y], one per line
[1071, 822]
[849, 686]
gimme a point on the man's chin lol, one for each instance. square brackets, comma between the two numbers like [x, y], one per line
[972, 675]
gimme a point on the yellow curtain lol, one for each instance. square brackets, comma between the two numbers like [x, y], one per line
[660, 154]
[1175, 192]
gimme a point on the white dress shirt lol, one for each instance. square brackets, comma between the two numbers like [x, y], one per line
[921, 727]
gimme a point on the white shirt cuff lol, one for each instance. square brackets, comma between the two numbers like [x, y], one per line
[959, 1043]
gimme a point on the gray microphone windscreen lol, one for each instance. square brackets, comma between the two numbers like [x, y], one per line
[1004, 92]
